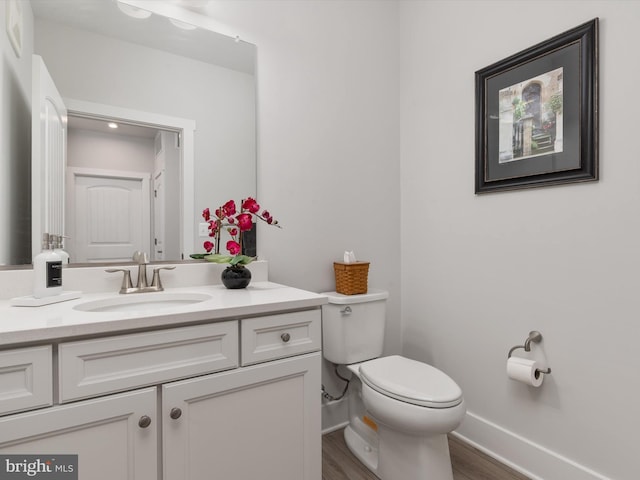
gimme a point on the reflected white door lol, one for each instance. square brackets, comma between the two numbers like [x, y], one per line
[48, 156]
[110, 216]
[158, 216]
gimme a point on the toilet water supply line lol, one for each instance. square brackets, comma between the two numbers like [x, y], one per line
[327, 396]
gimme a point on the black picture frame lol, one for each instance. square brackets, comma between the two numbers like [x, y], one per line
[537, 114]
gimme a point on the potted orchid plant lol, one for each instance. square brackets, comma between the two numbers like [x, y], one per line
[236, 223]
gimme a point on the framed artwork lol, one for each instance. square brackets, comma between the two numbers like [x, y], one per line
[14, 25]
[537, 114]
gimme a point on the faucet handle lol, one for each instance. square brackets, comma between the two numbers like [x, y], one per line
[126, 279]
[141, 257]
[155, 281]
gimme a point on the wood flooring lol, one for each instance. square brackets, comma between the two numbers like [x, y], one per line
[338, 463]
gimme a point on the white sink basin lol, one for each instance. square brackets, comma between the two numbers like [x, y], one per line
[143, 302]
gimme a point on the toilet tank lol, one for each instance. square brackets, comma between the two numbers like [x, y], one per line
[353, 326]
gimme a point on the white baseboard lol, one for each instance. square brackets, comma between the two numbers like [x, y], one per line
[529, 458]
[333, 428]
[335, 415]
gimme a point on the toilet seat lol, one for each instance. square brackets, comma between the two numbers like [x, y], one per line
[411, 381]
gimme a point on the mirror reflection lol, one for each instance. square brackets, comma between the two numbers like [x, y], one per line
[101, 58]
[111, 168]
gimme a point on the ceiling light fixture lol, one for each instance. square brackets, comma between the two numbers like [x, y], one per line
[132, 11]
[112, 125]
[182, 25]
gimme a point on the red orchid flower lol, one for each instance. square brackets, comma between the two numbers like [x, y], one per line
[267, 217]
[251, 205]
[244, 221]
[235, 223]
[229, 208]
[233, 247]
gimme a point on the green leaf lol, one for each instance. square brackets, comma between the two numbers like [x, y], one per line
[241, 260]
[218, 258]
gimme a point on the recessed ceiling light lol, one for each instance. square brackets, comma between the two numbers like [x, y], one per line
[133, 12]
[112, 125]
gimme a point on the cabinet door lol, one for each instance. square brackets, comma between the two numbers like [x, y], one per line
[254, 422]
[25, 379]
[104, 433]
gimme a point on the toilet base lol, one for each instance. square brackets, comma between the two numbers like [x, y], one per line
[363, 450]
[401, 456]
[409, 457]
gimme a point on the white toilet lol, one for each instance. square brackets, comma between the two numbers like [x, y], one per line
[400, 410]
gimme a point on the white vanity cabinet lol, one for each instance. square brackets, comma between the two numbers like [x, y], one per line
[105, 433]
[261, 421]
[236, 400]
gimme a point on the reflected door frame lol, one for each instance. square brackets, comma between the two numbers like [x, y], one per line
[48, 156]
[185, 129]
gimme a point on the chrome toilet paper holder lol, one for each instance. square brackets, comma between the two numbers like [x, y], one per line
[535, 337]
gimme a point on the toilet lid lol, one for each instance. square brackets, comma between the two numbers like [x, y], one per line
[411, 381]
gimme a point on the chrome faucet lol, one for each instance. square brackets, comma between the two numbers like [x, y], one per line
[142, 259]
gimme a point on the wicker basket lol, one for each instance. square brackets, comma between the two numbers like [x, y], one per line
[351, 278]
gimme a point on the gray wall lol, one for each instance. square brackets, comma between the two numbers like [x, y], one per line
[329, 160]
[90, 149]
[561, 260]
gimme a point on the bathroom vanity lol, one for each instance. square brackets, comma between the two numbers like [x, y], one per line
[226, 387]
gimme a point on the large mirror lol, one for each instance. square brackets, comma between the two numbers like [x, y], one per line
[183, 99]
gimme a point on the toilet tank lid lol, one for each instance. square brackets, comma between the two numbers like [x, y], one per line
[370, 296]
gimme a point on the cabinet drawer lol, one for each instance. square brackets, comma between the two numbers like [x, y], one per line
[25, 379]
[278, 336]
[105, 365]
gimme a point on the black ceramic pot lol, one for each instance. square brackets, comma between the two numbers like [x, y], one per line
[236, 276]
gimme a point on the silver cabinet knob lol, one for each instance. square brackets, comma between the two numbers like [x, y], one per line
[285, 337]
[175, 413]
[144, 421]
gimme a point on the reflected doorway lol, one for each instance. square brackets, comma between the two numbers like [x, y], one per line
[123, 191]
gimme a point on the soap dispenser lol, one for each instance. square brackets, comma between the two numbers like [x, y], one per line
[47, 270]
[58, 248]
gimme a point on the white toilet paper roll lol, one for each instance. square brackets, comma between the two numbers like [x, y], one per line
[525, 371]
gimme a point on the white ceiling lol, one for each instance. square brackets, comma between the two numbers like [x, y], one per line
[104, 17]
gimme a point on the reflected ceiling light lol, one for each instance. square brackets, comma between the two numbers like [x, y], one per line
[133, 12]
[183, 25]
[199, 6]
[112, 125]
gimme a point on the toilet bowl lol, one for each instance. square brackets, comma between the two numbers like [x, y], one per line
[400, 410]
[411, 396]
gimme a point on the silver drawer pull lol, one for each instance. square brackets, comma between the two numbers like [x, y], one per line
[175, 413]
[285, 337]
[144, 421]
[346, 310]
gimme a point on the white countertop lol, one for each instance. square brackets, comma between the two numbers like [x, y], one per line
[20, 325]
